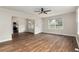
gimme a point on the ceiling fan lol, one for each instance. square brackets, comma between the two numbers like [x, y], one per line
[42, 10]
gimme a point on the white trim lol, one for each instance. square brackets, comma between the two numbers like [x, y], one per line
[60, 34]
[77, 39]
[4, 40]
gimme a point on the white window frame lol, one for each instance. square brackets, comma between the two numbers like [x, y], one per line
[55, 27]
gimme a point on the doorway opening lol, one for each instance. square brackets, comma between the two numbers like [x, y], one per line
[30, 26]
[15, 27]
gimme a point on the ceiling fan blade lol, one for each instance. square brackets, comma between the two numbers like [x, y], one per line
[37, 11]
[47, 10]
[43, 11]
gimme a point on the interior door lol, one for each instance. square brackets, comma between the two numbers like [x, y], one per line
[30, 26]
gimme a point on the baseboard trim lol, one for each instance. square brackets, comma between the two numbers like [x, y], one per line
[60, 34]
[5, 40]
[77, 49]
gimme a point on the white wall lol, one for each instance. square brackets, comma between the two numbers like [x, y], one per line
[30, 26]
[38, 25]
[22, 23]
[5, 28]
[6, 23]
[69, 28]
[77, 20]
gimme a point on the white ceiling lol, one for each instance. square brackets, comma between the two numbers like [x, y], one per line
[31, 9]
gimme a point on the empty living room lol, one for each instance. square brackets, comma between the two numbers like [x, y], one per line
[39, 28]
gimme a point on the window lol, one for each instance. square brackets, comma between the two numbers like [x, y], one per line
[55, 23]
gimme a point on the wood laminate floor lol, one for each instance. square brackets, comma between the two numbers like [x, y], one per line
[28, 42]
